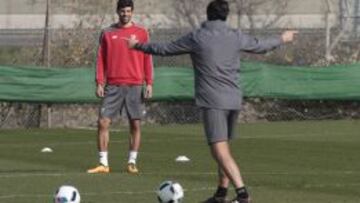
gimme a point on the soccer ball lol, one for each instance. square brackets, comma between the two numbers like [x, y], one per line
[67, 194]
[170, 192]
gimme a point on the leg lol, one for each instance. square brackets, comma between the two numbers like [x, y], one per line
[134, 145]
[110, 106]
[219, 128]
[227, 171]
[221, 192]
[223, 179]
[215, 127]
[135, 135]
[222, 155]
[102, 143]
[218, 125]
[103, 134]
[134, 110]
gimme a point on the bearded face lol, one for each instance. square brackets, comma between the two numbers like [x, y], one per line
[125, 15]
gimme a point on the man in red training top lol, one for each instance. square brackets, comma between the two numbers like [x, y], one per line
[120, 75]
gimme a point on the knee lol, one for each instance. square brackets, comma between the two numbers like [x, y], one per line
[135, 125]
[220, 150]
[104, 123]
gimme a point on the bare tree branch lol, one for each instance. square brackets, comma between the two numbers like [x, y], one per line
[249, 8]
[192, 13]
[189, 12]
[331, 44]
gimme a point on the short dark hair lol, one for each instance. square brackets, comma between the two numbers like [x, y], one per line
[218, 10]
[125, 3]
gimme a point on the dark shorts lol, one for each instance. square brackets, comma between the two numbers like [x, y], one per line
[219, 124]
[118, 97]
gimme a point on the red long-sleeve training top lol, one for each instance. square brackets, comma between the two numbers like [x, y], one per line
[119, 65]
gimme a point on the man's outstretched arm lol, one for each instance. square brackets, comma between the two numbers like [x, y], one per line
[252, 44]
[183, 45]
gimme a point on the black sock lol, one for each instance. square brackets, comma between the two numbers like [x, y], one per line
[221, 192]
[242, 193]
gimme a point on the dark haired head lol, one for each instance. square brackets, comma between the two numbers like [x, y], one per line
[125, 3]
[218, 10]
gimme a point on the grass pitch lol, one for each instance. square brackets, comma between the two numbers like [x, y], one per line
[281, 162]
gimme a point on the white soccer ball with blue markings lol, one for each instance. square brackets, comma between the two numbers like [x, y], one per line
[170, 192]
[67, 194]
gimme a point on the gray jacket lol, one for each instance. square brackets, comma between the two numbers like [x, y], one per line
[215, 52]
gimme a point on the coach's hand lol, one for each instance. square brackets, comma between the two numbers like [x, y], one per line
[132, 41]
[288, 36]
[148, 92]
[100, 90]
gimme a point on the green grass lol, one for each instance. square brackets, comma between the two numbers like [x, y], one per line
[282, 162]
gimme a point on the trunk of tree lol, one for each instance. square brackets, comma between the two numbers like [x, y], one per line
[331, 44]
[328, 50]
[46, 40]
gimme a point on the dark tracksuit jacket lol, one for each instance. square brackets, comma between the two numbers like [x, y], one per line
[215, 52]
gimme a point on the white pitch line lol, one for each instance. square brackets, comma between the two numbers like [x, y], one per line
[337, 185]
[12, 196]
[21, 175]
[22, 195]
[269, 173]
[94, 142]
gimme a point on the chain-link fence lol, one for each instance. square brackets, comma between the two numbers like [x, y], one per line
[76, 47]
[25, 115]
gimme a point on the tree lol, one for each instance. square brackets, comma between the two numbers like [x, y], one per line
[46, 40]
[89, 13]
[272, 12]
[192, 12]
[76, 46]
[189, 12]
[332, 39]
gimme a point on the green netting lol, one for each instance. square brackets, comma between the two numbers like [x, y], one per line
[60, 85]
[30, 84]
[338, 82]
